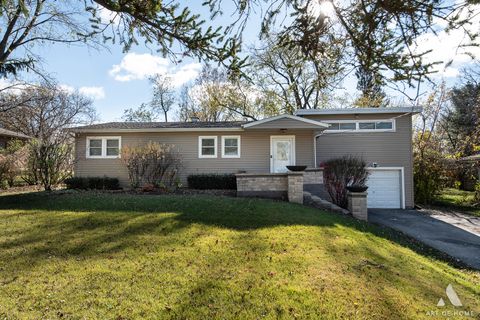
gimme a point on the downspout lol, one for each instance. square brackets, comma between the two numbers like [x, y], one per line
[315, 148]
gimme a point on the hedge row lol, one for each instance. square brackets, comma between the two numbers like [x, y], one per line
[212, 181]
[97, 183]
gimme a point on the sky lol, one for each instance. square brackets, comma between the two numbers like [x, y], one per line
[117, 80]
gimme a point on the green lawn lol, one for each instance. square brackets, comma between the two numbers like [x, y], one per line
[459, 200]
[100, 256]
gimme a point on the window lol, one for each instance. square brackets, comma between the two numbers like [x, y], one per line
[207, 147]
[113, 147]
[342, 126]
[103, 147]
[230, 146]
[384, 125]
[359, 126]
[379, 125]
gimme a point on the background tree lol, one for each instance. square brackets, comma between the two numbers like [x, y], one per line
[163, 96]
[429, 152]
[461, 126]
[216, 97]
[49, 111]
[165, 24]
[379, 35]
[462, 123]
[300, 80]
[141, 114]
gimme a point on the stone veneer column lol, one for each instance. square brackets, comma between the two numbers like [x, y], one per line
[295, 187]
[357, 205]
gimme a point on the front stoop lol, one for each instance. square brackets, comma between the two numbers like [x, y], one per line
[320, 203]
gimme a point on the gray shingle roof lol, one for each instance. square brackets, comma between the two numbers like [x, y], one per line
[9, 133]
[161, 125]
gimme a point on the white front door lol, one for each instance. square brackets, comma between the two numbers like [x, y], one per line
[282, 150]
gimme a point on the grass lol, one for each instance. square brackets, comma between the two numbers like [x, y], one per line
[100, 256]
[458, 200]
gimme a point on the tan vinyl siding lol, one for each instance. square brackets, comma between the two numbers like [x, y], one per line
[388, 149]
[255, 152]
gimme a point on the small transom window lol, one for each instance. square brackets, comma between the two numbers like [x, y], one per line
[358, 126]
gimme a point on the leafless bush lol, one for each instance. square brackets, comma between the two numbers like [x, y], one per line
[341, 173]
[12, 162]
[154, 163]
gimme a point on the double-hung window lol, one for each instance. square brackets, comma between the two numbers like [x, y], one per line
[230, 146]
[103, 147]
[207, 147]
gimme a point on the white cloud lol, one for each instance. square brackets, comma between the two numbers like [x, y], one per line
[136, 66]
[12, 87]
[107, 16]
[451, 49]
[66, 88]
[185, 74]
[95, 93]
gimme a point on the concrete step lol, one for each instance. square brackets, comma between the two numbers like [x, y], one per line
[322, 203]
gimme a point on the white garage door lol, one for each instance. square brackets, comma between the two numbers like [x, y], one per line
[384, 189]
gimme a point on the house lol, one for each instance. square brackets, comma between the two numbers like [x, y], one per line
[381, 136]
[6, 136]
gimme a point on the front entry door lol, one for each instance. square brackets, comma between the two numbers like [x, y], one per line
[282, 153]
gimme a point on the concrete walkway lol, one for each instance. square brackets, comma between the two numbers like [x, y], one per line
[455, 234]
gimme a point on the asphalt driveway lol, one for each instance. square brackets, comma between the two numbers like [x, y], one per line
[454, 235]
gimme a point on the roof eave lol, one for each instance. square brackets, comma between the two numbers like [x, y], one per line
[412, 110]
[116, 130]
[315, 124]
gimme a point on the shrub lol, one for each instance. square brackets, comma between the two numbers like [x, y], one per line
[429, 167]
[212, 181]
[12, 162]
[50, 161]
[476, 198]
[154, 163]
[340, 173]
[95, 183]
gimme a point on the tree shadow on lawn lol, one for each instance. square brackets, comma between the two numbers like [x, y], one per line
[89, 224]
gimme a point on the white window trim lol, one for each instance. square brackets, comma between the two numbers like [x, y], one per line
[104, 147]
[357, 126]
[200, 155]
[239, 143]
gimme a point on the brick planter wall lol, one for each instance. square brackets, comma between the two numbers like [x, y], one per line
[357, 205]
[285, 186]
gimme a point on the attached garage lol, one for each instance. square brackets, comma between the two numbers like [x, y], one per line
[386, 188]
